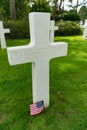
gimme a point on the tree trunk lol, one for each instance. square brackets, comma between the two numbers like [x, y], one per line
[12, 10]
[77, 4]
[60, 8]
[55, 9]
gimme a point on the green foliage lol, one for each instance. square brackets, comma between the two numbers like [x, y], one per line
[68, 28]
[39, 6]
[21, 9]
[71, 16]
[18, 29]
[5, 9]
[83, 13]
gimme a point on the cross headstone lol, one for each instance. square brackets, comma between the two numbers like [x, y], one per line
[52, 29]
[85, 30]
[2, 35]
[39, 52]
[81, 24]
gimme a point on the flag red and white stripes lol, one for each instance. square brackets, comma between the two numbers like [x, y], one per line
[36, 108]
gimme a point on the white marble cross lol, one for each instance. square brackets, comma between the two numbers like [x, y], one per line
[39, 52]
[2, 36]
[81, 24]
[85, 30]
[52, 29]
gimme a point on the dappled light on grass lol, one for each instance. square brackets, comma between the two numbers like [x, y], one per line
[68, 91]
[63, 67]
[81, 56]
[69, 38]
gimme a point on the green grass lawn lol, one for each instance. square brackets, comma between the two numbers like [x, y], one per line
[68, 91]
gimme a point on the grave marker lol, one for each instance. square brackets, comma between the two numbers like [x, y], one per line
[81, 24]
[2, 35]
[52, 29]
[39, 52]
[85, 30]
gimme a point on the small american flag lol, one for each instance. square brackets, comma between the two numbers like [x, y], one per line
[36, 108]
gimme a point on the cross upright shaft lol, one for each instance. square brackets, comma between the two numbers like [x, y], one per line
[52, 29]
[39, 52]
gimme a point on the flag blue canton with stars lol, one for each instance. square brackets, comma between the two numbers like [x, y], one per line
[36, 108]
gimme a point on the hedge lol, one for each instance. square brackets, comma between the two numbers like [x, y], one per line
[72, 16]
[18, 29]
[68, 28]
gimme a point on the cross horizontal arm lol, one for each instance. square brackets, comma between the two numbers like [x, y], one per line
[58, 49]
[54, 28]
[6, 30]
[19, 55]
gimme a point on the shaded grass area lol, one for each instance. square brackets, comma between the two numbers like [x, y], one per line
[68, 91]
